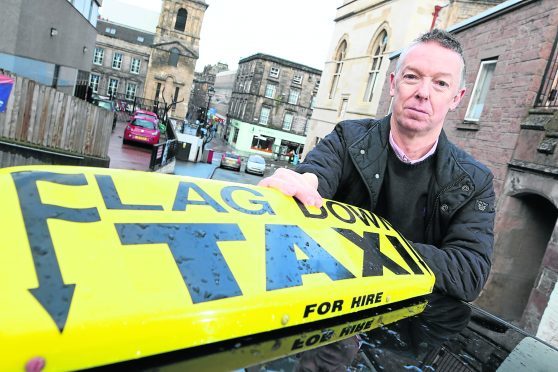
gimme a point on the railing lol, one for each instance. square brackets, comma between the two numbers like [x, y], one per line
[548, 92]
[162, 154]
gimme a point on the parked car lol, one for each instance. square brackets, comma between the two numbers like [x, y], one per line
[230, 160]
[255, 164]
[107, 104]
[142, 129]
[140, 112]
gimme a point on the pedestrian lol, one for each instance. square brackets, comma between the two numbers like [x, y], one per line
[404, 168]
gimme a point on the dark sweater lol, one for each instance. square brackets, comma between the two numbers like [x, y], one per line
[404, 193]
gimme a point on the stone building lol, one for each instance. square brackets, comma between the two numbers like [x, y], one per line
[224, 84]
[174, 53]
[271, 102]
[508, 119]
[202, 89]
[49, 41]
[365, 33]
[120, 60]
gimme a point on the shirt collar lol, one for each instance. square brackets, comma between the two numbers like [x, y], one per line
[404, 158]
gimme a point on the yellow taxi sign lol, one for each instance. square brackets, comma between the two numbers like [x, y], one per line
[100, 266]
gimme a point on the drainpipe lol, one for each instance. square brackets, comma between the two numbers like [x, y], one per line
[436, 13]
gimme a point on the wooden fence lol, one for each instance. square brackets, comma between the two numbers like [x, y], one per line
[42, 116]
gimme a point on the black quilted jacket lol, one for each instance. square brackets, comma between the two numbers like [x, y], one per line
[350, 164]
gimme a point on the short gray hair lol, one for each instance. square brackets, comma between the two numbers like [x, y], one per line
[444, 39]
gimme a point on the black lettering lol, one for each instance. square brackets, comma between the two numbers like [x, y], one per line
[403, 253]
[324, 308]
[112, 199]
[359, 327]
[309, 309]
[379, 297]
[345, 331]
[368, 325]
[374, 260]
[182, 201]
[297, 344]
[365, 216]
[226, 194]
[312, 340]
[350, 219]
[326, 335]
[306, 212]
[356, 302]
[337, 306]
[285, 270]
[196, 253]
[370, 299]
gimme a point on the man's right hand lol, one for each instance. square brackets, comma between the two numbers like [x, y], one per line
[304, 186]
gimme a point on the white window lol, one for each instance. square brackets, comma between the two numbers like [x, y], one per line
[264, 115]
[247, 86]
[112, 87]
[131, 90]
[140, 39]
[297, 79]
[244, 108]
[110, 30]
[270, 91]
[94, 82]
[274, 72]
[135, 66]
[98, 56]
[117, 61]
[293, 96]
[343, 107]
[340, 56]
[287, 121]
[313, 102]
[378, 49]
[480, 91]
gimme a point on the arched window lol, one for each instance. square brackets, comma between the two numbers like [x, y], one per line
[181, 16]
[173, 57]
[378, 50]
[339, 57]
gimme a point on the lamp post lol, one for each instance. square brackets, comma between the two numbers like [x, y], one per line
[210, 93]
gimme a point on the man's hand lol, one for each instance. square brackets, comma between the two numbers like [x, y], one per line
[304, 187]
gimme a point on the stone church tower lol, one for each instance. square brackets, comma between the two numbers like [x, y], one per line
[174, 53]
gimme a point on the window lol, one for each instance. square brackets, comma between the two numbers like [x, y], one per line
[287, 121]
[480, 91]
[135, 66]
[293, 96]
[140, 39]
[247, 86]
[110, 30]
[297, 79]
[244, 108]
[94, 82]
[112, 87]
[378, 49]
[270, 90]
[181, 16]
[98, 56]
[157, 91]
[176, 91]
[313, 102]
[131, 91]
[274, 72]
[339, 57]
[305, 127]
[173, 57]
[117, 61]
[264, 115]
[343, 107]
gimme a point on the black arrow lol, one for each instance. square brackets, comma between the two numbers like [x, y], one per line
[52, 293]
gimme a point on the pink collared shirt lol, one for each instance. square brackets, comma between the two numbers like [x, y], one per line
[404, 158]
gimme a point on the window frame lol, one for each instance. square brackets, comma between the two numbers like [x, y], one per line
[477, 90]
[270, 88]
[274, 74]
[183, 18]
[294, 93]
[290, 124]
[127, 94]
[297, 79]
[266, 121]
[115, 88]
[118, 62]
[98, 54]
[174, 53]
[132, 71]
[94, 85]
[378, 50]
[339, 58]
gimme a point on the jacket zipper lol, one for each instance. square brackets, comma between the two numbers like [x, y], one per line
[437, 199]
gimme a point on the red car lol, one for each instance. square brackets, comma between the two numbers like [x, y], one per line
[142, 129]
[140, 112]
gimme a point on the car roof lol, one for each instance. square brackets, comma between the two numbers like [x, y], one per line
[145, 117]
[145, 112]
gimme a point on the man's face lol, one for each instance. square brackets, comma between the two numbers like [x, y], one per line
[425, 88]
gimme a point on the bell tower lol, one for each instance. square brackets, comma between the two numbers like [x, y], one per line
[174, 54]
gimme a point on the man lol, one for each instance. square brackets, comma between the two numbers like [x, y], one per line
[404, 169]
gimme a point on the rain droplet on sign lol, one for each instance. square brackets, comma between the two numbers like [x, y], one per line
[285, 319]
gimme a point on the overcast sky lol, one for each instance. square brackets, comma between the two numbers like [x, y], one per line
[297, 30]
